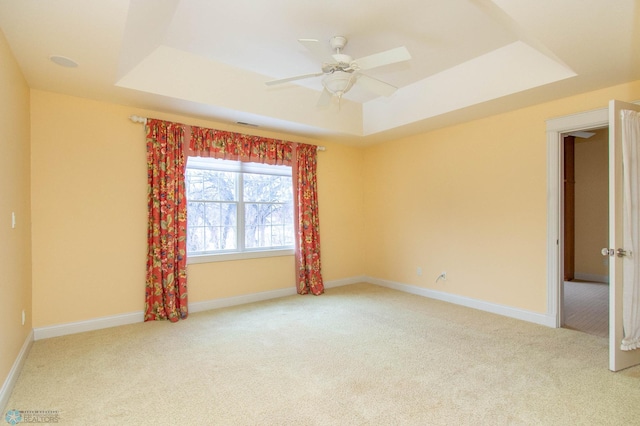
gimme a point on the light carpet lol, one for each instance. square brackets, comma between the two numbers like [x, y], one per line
[357, 355]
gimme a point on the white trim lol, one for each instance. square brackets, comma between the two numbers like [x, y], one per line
[237, 166]
[225, 257]
[87, 325]
[554, 224]
[507, 311]
[556, 127]
[586, 120]
[12, 377]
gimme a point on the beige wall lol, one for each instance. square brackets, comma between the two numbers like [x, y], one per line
[592, 205]
[89, 215]
[88, 210]
[469, 200]
[15, 243]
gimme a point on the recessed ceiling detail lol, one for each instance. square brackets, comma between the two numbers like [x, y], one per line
[211, 59]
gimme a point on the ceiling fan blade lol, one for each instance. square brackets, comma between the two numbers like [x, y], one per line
[376, 86]
[387, 57]
[319, 50]
[297, 77]
[325, 98]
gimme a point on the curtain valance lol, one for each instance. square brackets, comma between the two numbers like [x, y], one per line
[239, 147]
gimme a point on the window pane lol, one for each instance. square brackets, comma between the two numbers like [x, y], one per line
[229, 214]
[227, 182]
[267, 188]
[211, 185]
[195, 214]
[229, 238]
[212, 238]
[289, 236]
[194, 184]
[268, 225]
[195, 238]
[228, 226]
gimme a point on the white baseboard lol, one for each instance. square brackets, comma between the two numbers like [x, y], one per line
[521, 314]
[591, 277]
[87, 325]
[9, 383]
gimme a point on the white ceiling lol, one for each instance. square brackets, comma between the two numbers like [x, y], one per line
[211, 58]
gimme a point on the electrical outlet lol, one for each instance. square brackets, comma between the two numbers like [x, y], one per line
[24, 317]
[419, 271]
[13, 220]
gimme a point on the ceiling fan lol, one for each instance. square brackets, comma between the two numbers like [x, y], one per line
[341, 72]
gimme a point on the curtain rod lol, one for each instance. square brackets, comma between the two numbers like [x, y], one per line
[143, 120]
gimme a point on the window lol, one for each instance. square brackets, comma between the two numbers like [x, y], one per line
[236, 207]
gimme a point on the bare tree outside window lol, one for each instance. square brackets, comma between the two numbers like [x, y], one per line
[230, 211]
[268, 211]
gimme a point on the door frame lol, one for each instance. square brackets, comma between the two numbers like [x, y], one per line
[556, 128]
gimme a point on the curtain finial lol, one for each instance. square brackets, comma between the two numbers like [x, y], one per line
[138, 119]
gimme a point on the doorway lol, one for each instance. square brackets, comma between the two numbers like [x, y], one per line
[557, 127]
[585, 292]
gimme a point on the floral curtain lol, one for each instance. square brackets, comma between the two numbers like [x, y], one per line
[239, 147]
[308, 267]
[166, 284]
[303, 159]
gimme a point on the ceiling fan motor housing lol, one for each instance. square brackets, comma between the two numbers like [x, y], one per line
[342, 59]
[338, 42]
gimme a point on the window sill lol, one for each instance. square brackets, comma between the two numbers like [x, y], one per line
[207, 258]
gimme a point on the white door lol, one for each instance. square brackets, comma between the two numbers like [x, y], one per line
[618, 359]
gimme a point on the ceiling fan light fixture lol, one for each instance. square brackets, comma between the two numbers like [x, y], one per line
[338, 83]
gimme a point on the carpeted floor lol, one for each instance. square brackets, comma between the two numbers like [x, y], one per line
[358, 355]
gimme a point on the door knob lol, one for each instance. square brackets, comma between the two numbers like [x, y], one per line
[607, 252]
[610, 252]
[622, 252]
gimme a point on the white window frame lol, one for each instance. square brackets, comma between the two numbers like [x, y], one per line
[239, 167]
